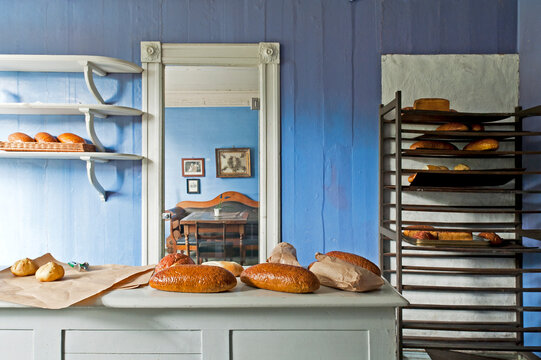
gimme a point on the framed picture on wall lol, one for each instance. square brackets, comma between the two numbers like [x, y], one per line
[193, 186]
[193, 167]
[234, 162]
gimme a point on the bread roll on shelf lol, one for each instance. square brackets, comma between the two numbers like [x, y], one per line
[69, 138]
[454, 235]
[280, 277]
[482, 145]
[44, 137]
[423, 232]
[20, 137]
[432, 144]
[172, 260]
[453, 126]
[193, 279]
[433, 104]
[234, 268]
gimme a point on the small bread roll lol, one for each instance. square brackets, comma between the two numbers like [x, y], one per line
[231, 266]
[44, 137]
[24, 267]
[20, 137]
[430, 144]
[69, 138]
[436, 167]
[50, 272]
[454, 235]
[477, 127]
[431, 104]
[462, 167]
[423, 232]
[453, 126]
[483, 145]
[173, 260]
[494, 238]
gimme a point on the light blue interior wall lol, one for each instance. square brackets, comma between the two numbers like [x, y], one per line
[196, 133]
[330, 93]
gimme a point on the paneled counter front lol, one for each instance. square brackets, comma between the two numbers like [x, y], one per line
[242, 324]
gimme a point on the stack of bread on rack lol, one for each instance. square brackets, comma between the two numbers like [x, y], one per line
[43, 141]
[428, 232]
[282, 272]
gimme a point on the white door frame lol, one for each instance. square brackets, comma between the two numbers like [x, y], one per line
[154, 56]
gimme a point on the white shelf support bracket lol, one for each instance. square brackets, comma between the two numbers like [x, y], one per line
[89, 70]
[91, 173]
[89, 120]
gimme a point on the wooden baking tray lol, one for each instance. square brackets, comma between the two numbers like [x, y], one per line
[476, 242]
[456, 178]
[46, 147]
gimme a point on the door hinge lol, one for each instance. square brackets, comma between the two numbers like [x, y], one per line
[255, 104]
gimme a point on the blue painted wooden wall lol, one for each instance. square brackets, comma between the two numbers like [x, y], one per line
[196, 133]
[330, 76]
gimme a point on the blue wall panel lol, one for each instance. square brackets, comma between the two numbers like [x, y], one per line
[330, 91]
[195, 133]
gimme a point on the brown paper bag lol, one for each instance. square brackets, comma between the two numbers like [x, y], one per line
[284, 253]
[73, 287]
[339, 274]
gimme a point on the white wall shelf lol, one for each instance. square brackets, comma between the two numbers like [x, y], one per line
[88, 65]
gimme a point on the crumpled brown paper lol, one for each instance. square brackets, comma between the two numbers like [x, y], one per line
[337, 273]
[284, 253]
[73, 287]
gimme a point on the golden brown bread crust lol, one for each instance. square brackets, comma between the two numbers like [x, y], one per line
[477, 127]
[454, 235]
[436, 104]
[50, 272]
[19, 137]
[172, 260]
[462, 167]
[280, 277]
[494, 238]
[44, 137]
[356, 260]
[24, 267]
[193, 279]
[234, 268]
[482, 145]
[453, 126]
[421, 234]
[430, 144]
[69, 138]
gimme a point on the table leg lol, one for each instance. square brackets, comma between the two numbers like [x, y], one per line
[223, 239]
[197, 244]
[186, 236]
[242, 250]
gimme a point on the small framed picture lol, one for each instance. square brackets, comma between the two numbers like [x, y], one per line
[193, 186]
[233, 162]
[193, 167]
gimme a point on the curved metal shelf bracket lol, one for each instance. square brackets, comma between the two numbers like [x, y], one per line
[91, 173]
[89, 70]
[89, 120]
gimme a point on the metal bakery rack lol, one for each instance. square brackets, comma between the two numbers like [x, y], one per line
[464, 295]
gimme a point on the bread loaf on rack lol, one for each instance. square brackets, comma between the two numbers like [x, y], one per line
[20, 137]
[44, 137]
[69, 138]
[454, 235]
[423, 232]
[494, 238]
[482, 145]
[434, 104]
[432, 144]
[453, 126]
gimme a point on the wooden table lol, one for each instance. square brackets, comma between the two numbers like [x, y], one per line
[205, 221]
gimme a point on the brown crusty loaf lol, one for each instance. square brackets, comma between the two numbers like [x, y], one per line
[494, 238]
[193, 279]
[24, 267]
[477, 127]
[173, 260]
[69, 138]
[454, 235]
[231, 266]
[453, 126]
[50, 272]
[19, 137]
[483, 144]
[431, 104]
[356, 260]
[44, 137]
[430, 144]
[423, 232]
[280, 277]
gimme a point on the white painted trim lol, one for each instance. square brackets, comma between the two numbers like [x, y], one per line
[266, 56]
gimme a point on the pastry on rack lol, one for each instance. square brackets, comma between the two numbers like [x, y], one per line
[483, 145]
[461, 167]
[494, 238]
[455, 235]
[423, 232]
[433, 104]
[453, 126]
[433, 145]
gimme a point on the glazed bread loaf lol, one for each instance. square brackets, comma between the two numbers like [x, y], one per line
[482, 145]
[69, 138]
[355, 260]
[435, 167]
[430, 144]
[44, 137]
[231, 266]
[494, 238]
[50, 272]
[280, 277]
[423, 232]
[19, 137]
[453, 126]
[172, 260]
[462, 167]
[454, 235]
[194, 279]
[477, 127]
[431, 104]
[24, 267]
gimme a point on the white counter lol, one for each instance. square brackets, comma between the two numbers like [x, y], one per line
[244, 323]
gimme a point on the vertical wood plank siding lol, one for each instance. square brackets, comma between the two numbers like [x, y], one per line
[330, 76]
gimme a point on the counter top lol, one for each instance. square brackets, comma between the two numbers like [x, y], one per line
[242, 296]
